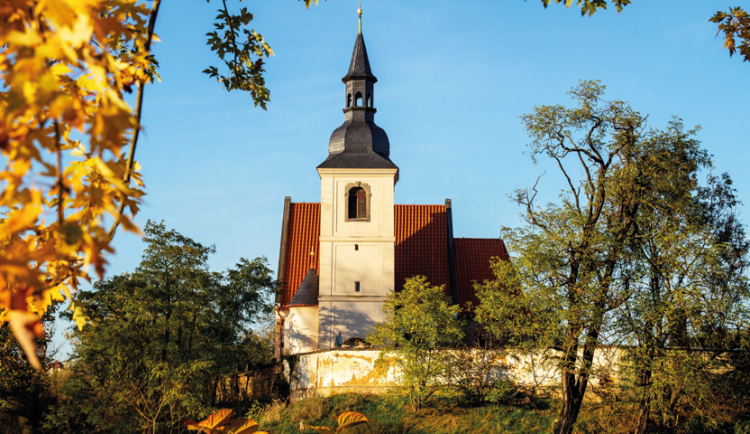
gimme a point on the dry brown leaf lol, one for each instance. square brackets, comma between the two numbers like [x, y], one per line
[351, 418]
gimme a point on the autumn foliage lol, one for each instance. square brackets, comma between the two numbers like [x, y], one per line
[222, 422]
[65, 125]
[345, 420]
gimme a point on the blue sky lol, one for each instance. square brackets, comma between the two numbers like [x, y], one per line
[453, 79]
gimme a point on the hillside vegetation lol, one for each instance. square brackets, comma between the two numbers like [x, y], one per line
[391, 414]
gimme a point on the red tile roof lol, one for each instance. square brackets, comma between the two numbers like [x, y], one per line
[302, 238]
[473, 264]
[421, 250]
[422, 244]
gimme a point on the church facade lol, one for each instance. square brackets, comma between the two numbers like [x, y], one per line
[340, 258]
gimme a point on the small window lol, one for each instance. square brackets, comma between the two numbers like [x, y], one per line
[349, 100]
[356, 286]
[358, 99]
[357, 203]
[369, 100]
[356, 247]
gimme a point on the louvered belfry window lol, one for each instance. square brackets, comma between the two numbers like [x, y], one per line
[357, 203]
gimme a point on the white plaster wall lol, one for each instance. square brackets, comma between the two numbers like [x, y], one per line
[372, 264]
[302, 329]
[340, 371]
[351, 318]
[363, 264]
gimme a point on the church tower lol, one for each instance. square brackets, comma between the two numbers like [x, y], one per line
[340, 258]
[356, 213]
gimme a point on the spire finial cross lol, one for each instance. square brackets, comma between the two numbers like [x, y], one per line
[359, 12]
[312, 259]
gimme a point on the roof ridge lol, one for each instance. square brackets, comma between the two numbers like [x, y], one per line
[476, 238]
[418, 204]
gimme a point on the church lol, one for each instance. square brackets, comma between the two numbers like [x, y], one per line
[340, 258]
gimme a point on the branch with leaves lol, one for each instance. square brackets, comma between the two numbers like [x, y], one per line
[734, 24]
[242, 50]
[589, 6]
[64, 70]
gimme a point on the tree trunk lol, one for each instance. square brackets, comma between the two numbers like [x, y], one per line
[644, 384]
[572, 401]
[644, 378]
[574, 385]
[644, 413]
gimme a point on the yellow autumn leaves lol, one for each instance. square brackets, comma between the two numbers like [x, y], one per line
[64, 129]
[222, 422]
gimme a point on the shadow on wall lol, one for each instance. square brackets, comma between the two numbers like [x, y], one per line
[351, 319]
[303, 329]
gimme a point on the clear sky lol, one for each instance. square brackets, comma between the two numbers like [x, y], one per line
[453, 79]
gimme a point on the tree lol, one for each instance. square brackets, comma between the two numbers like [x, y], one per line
[686, 284]
[65, 70]
[566, 272]
[420, 322]
[25, 392]
[734, 24]
[159, 336]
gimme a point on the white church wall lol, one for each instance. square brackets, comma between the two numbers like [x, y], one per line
[354, 251]
[302, 330]
[350, 318]
[363, 264]
[333, 221]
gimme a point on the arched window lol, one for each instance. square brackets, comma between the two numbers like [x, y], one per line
[358, 99]
[369, 100]
[357, 203]
[349, 100]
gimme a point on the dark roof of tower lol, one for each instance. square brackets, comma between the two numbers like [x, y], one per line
[307, 293]
[359, 143]
[360, 66]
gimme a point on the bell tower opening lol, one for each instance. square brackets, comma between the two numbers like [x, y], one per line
[357, 204]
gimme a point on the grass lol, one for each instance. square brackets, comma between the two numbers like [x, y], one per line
[390, 414]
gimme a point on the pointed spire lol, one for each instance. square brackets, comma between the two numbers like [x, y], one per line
[358, 142]
[312, 260]
[360, 65]
[307, 293]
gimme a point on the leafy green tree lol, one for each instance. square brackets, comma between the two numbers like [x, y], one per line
[565, 277]
[420, 322]
[686, 284]
[159, 336]
[25, 391]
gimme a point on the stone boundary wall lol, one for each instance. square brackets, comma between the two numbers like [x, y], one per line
[325, 373]
[257, 384]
